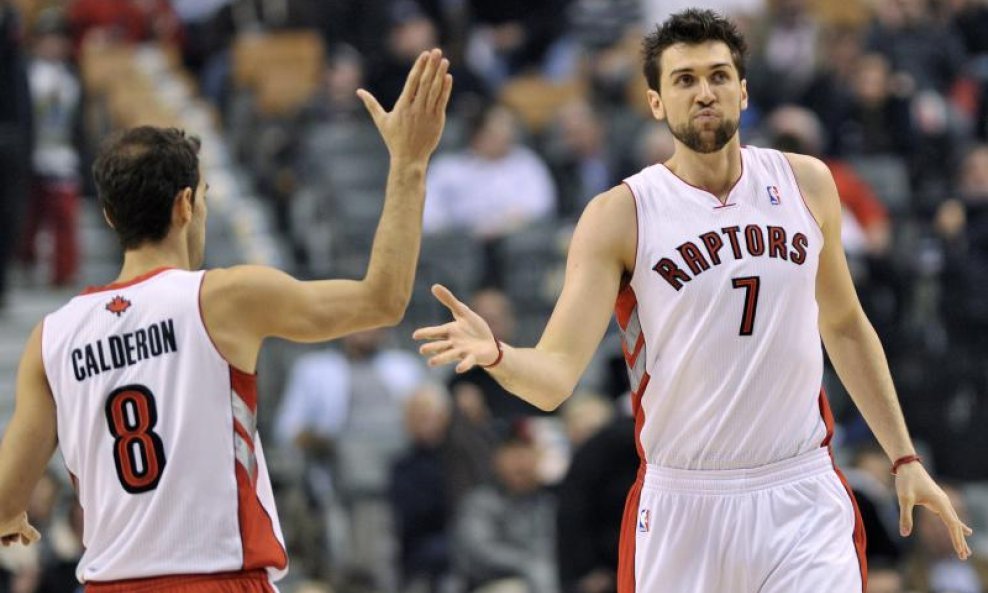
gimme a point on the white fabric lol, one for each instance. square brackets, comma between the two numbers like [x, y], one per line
[189, 523]
[488, 198]
[785, 528]
[716, 399]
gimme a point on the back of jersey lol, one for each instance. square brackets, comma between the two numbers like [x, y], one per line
[159, 433]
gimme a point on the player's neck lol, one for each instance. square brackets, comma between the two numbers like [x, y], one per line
[147, 258]
[716, 172]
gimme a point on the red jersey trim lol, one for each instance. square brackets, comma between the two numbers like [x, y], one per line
[859, 537]
[126, 283]
[261, 548]
[795, 181]
[196, 582]
[727, 201]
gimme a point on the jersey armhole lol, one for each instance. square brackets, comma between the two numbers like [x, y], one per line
[802, 198]
[638, 234]
[205, 329]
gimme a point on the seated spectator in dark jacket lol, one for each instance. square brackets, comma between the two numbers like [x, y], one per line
[418, 491]
[505, 536]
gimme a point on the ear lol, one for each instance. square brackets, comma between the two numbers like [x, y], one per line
[106, 217]
[744, 94]
[182, 208]
[655, 104]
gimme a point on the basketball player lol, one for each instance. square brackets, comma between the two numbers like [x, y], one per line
[148, 383]
[725, 268]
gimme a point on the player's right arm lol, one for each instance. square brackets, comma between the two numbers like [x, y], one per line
[244, 304]
[28, 444]
[601, 253]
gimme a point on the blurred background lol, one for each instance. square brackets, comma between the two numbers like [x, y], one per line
[390, 477]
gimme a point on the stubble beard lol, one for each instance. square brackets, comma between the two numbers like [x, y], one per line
[702, 141]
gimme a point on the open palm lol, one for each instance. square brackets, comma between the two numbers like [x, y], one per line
[467, 340]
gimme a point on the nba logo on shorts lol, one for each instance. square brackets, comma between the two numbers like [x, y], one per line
[773, 195]
[644, 520]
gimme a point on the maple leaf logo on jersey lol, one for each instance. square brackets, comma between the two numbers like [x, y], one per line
[118, 306]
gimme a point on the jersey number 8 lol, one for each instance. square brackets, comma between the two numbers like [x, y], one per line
[138, 452]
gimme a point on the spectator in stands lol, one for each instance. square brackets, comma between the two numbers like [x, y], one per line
[505, 533]
[56, 96]
[15, 133]
[492, 400]
[884, 577]
[829, 94]
[866, 229]
[963, 225]
[411, 32]
[336, 98]
[932, 565]
[874, 489]
[877, 120]
[343, 411]
[512, 36]
[591, 506]
[127, 21]
[579, 157]
[494, 186]
[919, 48]
[784, 55]
[418, 492]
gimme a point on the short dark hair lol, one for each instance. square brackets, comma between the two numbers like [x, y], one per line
[138, 173]
[692, 26]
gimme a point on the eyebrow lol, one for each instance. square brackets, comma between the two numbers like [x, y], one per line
[690, 68]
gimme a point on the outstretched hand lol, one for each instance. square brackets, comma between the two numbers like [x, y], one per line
[411, 130]
[18, 530]
[915, 487]
[467, 340]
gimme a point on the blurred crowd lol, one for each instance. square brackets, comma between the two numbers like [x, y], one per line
[393, 478]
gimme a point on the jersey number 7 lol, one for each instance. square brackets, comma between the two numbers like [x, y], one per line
[138, 452]
[750, 284]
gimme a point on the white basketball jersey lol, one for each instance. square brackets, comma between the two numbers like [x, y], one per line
[720, 319]
[159, 433]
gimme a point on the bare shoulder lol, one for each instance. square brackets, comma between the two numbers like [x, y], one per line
[610, 224]
[242, 281]
[816, 183]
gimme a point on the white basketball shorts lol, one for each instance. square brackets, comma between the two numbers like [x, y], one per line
[787, 527]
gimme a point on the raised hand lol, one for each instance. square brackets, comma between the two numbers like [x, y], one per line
[467, 340]
[18, 530]
[915, 487]
[411, 130]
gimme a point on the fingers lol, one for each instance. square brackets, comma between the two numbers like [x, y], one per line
[30, 535]
[373, 107]
[425, 79]
[447, 357]
[906, 504]
[448, 299]
[435, 347]
[436, 85]
[444, 97]
[467, 363]
[957, 529]
[436, 332]
[411, 83]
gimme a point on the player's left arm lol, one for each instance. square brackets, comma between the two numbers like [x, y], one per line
[858, 356]
[28, 444]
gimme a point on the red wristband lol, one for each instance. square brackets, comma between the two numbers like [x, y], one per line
[500, 355]
[904, 460]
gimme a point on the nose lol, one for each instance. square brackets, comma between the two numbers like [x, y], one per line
[705, 94]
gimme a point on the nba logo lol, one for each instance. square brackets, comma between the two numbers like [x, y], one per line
[773, 195]
[644, 520]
